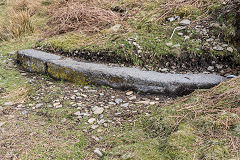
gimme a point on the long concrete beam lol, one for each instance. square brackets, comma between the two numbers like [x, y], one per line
[68, 69]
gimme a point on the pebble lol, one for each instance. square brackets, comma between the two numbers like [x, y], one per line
[63, 120]
[218, 48]
[56, 104]
[129, 93]
[49, 106]
[95, 138]
[8, 104]
[185, 22]
[176, 45]
[132, 98]
[118, 101]
[116, 27]
[94, 127]
[180, 33]
[98, 152]
[169, 44]
[59, 106]
[163, 69]
[78, 113]
[97, 110]
[124, 105]
[117, 114]
[91, 120]
[219, 66]
[38, 105]
[24, 112]
[111, 103]
[2, 123]
[210, 68]
[1, 108]
[230, 49]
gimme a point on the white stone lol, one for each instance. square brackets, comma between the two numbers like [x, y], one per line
[38, 105]
[78, 113]
[169, 44]
[98, 152]
[218, 48]
[116, 27]
[97, 110]
[118, 100]
[94, 127]
[124, 105]
[129, 93]
[230, 49]
[185, 22]
[91, 120]
[210, 68]
[8, 104]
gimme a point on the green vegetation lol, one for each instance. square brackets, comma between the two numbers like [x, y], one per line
[203, 125]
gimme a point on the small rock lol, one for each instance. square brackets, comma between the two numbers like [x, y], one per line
[163, 69]
[143, 102]
[24, 112]
[185, 22]
[94, 127]
[169, 44]
[219, 66]
[124, 105]
[225, 45]
[56, 104]
[132, 98]
[1, 108]
[101, 94]
[176, 45]
[63, 120]
[116, 27]
[218, 48]
[101, 121]
[59, 106]
[180, 33]
[129, 93]
[186, 38]
[230, 49]
[117, 101]
[78, 113]
[38, 105]
[117, 114]
[91, 120]
[97, 110]
[49, 106]
[8, 104]
[152, 103]
[111, 103]
[231, 76]
[2, 123]
[171, 19]
[210, 68]
[95, 138]
[98, 152]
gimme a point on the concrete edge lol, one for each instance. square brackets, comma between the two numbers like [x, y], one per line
[68, 69]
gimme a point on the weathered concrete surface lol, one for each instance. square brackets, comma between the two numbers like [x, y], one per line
[116, 77]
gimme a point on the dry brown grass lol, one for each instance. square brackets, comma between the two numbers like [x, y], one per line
[17, 96]
[18, 20]
[80, 15]
[19, 23]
